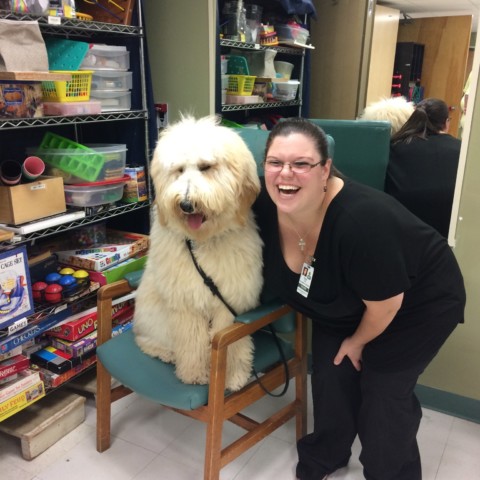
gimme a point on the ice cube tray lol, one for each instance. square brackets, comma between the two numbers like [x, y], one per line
[71, 157]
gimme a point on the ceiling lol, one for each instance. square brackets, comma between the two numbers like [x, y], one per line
[436, 8]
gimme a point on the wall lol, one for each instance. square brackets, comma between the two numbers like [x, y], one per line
[382, 57]
[340, 35]
[181, 45]
[456, 367]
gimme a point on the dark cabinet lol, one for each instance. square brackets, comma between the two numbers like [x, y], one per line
[407, 67]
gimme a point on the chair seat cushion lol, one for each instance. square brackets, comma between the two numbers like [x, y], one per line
[156, 380]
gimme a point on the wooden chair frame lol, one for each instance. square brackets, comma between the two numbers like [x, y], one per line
[220, 407]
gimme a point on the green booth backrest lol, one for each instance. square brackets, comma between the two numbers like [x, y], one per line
[256, 140]
[359, 148]
[362, 148]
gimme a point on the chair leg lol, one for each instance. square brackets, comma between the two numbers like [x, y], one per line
[216, 403]
[103, 404]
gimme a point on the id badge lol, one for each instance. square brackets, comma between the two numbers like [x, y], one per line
[305, 280]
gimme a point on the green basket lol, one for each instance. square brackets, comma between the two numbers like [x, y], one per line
[64, 54]
[71, 157]
[237, 65]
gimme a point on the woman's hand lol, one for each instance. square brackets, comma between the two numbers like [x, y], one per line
[353, 351]
[376, 318]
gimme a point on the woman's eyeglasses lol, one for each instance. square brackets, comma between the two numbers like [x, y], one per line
[275, 166]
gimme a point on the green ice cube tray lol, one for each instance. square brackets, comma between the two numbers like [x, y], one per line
[71, 157]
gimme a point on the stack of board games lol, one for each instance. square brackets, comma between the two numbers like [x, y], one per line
[72, 344]
[19, 385]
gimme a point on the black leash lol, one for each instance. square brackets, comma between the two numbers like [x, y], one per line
[207, 280]
[216, 292]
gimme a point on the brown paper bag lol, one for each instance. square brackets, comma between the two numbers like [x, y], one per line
[22, 48]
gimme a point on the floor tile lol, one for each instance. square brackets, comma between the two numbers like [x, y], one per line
[150, 443]
[122, 462]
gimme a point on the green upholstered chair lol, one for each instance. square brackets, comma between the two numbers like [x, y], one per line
[362, 148]
[120, 358]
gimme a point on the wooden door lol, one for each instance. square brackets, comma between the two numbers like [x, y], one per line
[446, 41]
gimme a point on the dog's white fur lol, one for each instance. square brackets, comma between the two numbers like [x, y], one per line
[396, 110]
[209, 168]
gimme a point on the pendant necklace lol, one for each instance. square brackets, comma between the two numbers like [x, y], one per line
[301, 241]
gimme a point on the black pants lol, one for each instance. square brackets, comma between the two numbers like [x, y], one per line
[380, 407]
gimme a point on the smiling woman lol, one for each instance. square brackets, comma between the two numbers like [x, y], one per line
[372, 277]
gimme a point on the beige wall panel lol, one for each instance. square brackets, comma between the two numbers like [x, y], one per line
[338, 35]
[446, 41]
[382, 56]
[182, 64]
[456, 367]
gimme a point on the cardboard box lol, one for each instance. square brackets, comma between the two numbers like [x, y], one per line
[16, 299]
[117, 272]
[31, 201]
[21, 99]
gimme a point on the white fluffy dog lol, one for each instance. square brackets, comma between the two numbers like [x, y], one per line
[396, 110]
[206, 181]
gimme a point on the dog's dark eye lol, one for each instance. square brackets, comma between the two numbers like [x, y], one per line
[180, 170]
[204, 168]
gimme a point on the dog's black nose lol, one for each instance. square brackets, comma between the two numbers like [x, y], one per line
[186, 206]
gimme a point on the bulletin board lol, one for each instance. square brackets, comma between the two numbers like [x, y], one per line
[108, 11]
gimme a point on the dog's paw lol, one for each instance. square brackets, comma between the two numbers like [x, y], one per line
[236, 382]
[193, 378]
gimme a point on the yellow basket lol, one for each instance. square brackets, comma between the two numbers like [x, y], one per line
[75, 90]
[240, 84]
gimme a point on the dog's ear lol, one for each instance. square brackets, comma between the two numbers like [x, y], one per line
[248, 194]
[161, 218]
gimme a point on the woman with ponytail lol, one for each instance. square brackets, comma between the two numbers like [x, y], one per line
[423, 164]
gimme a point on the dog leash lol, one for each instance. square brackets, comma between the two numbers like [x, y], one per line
[216, 292]
[208, 280]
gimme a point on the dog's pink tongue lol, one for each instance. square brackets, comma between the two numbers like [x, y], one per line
[195, 221]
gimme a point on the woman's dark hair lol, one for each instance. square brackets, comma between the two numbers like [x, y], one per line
[428, 118]
[301, 125]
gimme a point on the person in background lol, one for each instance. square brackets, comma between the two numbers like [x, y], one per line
[422, 168]
[395, 110]
[383, 291]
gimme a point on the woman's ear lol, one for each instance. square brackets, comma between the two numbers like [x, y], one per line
[327, 168]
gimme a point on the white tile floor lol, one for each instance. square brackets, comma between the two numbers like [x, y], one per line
[151, 443]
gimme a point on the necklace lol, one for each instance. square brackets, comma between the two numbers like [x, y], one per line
[301, 238]
[301, 242]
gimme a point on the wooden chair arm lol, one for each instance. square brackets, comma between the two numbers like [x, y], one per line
[105, 295]
[252, 321]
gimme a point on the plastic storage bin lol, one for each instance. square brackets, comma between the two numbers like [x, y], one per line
[111, 80]
[97, 193]
[106, 57]
[114, 157]
[112, 100]
[292, 34]
[285, 91]
[90, 107]
[75, 90]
